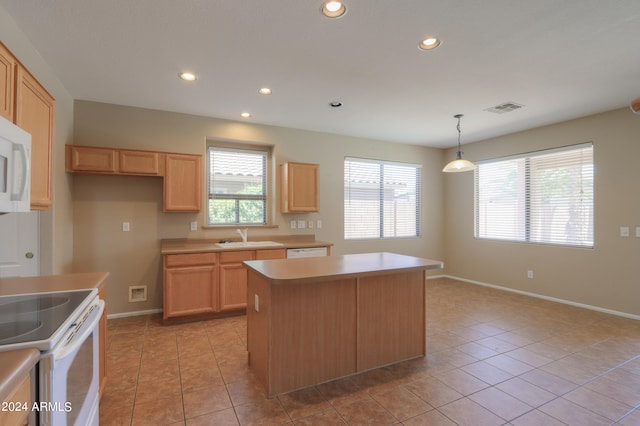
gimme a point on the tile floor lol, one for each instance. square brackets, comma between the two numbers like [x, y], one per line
[494, 358]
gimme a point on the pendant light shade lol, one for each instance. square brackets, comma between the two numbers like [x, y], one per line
[459, 164]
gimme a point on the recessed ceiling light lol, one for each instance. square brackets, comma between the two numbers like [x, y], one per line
[188, 76]
[429, 43]
[264, 91]
[245, 115]
[333, 9]
[335, 104]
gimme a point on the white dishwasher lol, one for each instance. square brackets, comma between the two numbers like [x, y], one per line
[306, 252]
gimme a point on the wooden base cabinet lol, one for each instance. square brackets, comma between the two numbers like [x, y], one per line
[190, 284]
[233, 279]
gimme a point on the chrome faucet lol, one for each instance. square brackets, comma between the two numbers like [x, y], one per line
[243, 234]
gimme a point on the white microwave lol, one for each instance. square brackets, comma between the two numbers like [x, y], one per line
[15, 168]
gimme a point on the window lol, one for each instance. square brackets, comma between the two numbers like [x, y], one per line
[544, 197]
[381, 199]
[237, 185]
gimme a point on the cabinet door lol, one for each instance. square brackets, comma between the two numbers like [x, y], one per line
[7, 87]
[90, 159]
[233, 279]
[140, 163]
[299, 188]
[190, 291]
[182, 183]
[34, 114]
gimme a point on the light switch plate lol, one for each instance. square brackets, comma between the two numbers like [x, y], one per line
[126, 227]
[638, 231]
[624, 231]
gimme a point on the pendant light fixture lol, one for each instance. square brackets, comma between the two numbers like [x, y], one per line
[459, 165]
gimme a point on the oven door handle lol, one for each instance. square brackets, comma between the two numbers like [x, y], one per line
[71, 344]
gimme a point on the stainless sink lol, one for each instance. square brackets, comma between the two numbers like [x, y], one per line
[248, 244]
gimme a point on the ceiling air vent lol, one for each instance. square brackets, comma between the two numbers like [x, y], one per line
[505, 107]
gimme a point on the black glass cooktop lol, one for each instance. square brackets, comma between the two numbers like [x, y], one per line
[37, 317]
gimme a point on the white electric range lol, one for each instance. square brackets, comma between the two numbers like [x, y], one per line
[63, 326]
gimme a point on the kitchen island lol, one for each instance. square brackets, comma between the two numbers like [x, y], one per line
[316, 319]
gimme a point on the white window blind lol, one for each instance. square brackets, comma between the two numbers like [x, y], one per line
[543, 197]
[381, 199]
[237, 186]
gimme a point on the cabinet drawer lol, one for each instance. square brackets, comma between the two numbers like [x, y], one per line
[236, 256]
[140, 162]
[190, 259]
[90, 159]
[271, 254]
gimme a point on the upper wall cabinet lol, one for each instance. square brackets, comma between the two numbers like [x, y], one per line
[25, 102]
[182, 172]
[183, 183]
[7, 83]
[299, 187]
[91, 159]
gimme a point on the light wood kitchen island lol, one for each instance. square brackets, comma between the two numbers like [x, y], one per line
[316, 319]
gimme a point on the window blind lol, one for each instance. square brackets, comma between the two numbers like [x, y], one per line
[237, 186]
[381, 199]
[543, 197]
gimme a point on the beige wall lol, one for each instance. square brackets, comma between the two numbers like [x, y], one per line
[102, 203]
[607, 276]
[56, 226]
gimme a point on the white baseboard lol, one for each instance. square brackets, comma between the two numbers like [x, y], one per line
[134, 314]
[552, 299]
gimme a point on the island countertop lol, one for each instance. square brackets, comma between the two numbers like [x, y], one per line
[343, 266]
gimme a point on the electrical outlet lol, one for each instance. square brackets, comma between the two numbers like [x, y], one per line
[310, 224]
[126, 227]
[530, 274]
[302, 224]
[194, 225]
[318, 224]
[292, 225]
[638, 231]
[624, 231]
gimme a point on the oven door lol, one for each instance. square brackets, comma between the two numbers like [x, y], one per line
[69, 374]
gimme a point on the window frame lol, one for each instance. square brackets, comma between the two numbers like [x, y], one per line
[528, 180]
[381, 186]
[268, 193]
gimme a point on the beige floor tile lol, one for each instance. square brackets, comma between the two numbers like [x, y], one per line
[267, 412]
[225, 417]
[573, 414]
[598, 403]
[152, 390]
[466, 412]
[500, 403]
[461, 381]
[526, 392]
[401, 403]
[304, 403]
[431, 418]
[326, 418]
[365, 411]
[158, 412]
[433, 391]
[205, 401]
[487, 372]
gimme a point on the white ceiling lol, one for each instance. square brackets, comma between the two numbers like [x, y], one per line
[562, 59]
